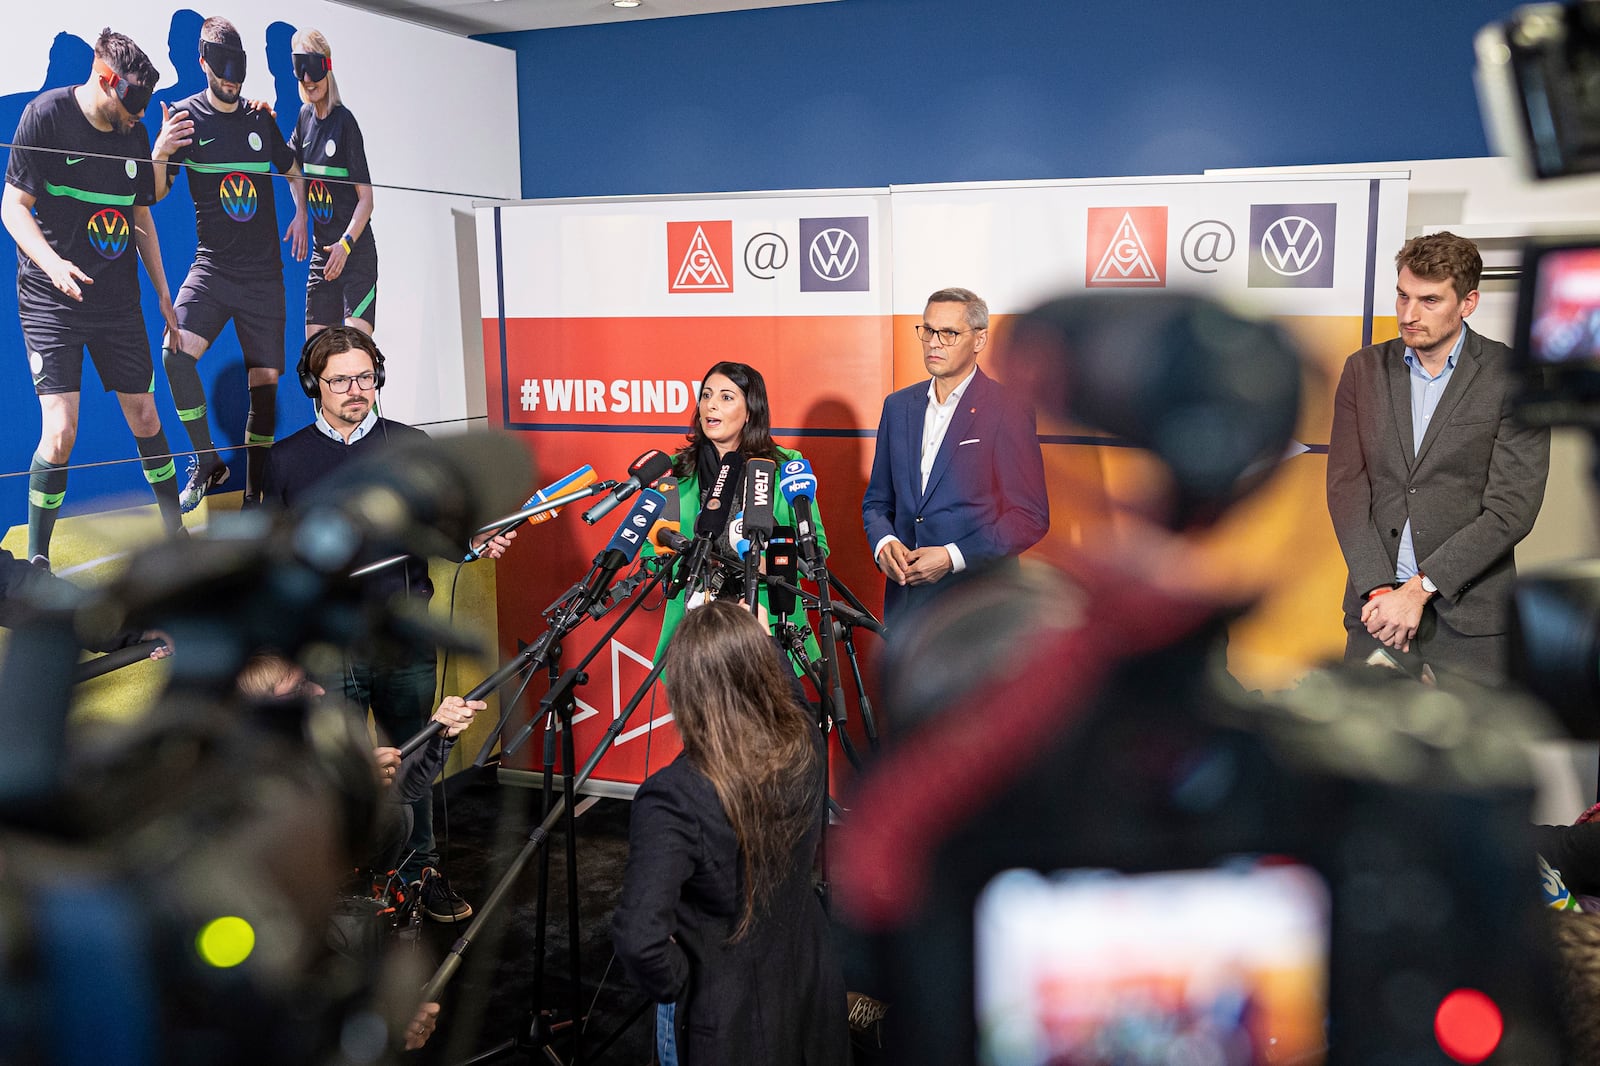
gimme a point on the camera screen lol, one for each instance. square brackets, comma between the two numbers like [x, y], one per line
[1226, 966]
[1564, 317]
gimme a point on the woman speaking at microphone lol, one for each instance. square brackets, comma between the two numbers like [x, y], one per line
[718, 920]
[732, 416]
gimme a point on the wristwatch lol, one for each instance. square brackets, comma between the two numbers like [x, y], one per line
[1428, 586]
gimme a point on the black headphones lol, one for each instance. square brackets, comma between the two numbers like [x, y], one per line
[308, 380]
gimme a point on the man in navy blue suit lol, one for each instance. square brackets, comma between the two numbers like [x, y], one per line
[958, 479]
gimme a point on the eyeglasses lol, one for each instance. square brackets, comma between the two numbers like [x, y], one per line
[341, 384]
[947, 337]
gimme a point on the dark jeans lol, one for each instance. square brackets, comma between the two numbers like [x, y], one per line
[400, 694]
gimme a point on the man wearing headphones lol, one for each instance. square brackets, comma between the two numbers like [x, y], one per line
[341, 369]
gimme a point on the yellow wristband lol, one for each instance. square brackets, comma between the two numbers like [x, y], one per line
[349, 245]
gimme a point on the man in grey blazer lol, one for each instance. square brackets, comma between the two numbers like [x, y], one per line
[1431, 483]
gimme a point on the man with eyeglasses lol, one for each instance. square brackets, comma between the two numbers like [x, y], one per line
[228, 152]
[957, 477]
[77, 196]
[342, 369]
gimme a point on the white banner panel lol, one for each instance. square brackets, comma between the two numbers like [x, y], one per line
[1308, 245]
[822, 253]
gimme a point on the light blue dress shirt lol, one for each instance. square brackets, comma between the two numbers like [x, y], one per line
[1425, 394]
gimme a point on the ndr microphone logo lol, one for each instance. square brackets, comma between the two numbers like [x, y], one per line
[1127, 248]
[698, 256]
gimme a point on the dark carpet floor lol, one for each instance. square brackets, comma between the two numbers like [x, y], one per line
[482, 825]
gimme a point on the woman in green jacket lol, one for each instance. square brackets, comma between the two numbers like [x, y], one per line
[731, 416]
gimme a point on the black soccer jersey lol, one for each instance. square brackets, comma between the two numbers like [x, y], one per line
[331, 148]
[230, 160]
[84, 191]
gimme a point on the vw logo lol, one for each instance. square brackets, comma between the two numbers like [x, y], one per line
[1291, 246]
[834, 254]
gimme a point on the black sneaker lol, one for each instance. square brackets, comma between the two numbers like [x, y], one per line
[202, 479]
[440, 900]
[41, 562]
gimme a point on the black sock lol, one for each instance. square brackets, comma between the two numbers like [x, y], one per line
[162, 474]
[47, 487]
[183, 374]
[260, 429]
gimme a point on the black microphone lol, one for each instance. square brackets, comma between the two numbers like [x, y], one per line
[759, 474]
[712, 520]
[718, 507]
[781, 574]
[645, 469]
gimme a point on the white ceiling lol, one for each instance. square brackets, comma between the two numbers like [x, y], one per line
[466, 17]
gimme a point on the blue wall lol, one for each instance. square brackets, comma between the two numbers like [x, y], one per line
[874, 92]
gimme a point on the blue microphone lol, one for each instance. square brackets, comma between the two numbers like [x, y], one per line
[799, 487]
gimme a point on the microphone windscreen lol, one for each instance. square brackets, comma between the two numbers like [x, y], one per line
[759, 517]
[650, 466]
[634, 529]
[720, 501]
[580, 478]
[798, 480]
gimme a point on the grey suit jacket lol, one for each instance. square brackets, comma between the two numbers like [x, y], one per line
[1471, 491]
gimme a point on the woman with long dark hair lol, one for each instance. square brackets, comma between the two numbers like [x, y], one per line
[731, 415]
[719, 921]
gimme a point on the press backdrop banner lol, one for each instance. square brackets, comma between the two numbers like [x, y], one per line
[600, 317]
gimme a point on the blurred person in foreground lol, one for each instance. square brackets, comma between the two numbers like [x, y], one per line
[720, 922]
[267, 677]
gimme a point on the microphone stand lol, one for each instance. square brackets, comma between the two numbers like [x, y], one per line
[845, 628]
[556, 711]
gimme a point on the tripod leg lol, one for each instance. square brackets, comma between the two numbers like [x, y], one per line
[569, 766]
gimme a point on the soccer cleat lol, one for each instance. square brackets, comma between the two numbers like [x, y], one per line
[440, 901]
[41, 562]
[201, 482]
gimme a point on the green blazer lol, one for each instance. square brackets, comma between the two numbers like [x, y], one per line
[689, 503]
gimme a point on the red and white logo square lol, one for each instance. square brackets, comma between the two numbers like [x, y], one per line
[1127, 248]
[698, 254]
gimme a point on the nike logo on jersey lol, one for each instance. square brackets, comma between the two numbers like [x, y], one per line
[206, 140]
[71, 162]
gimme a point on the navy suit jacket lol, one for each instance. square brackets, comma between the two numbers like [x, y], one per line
[985, 493]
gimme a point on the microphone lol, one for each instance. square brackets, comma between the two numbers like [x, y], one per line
[668, 539]
[715, 512]
[759, 475]
[671, 521]
[799, 487]
[622, 548]
[645, 469]
[580, 478]
[712, 521]
[781, 577]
